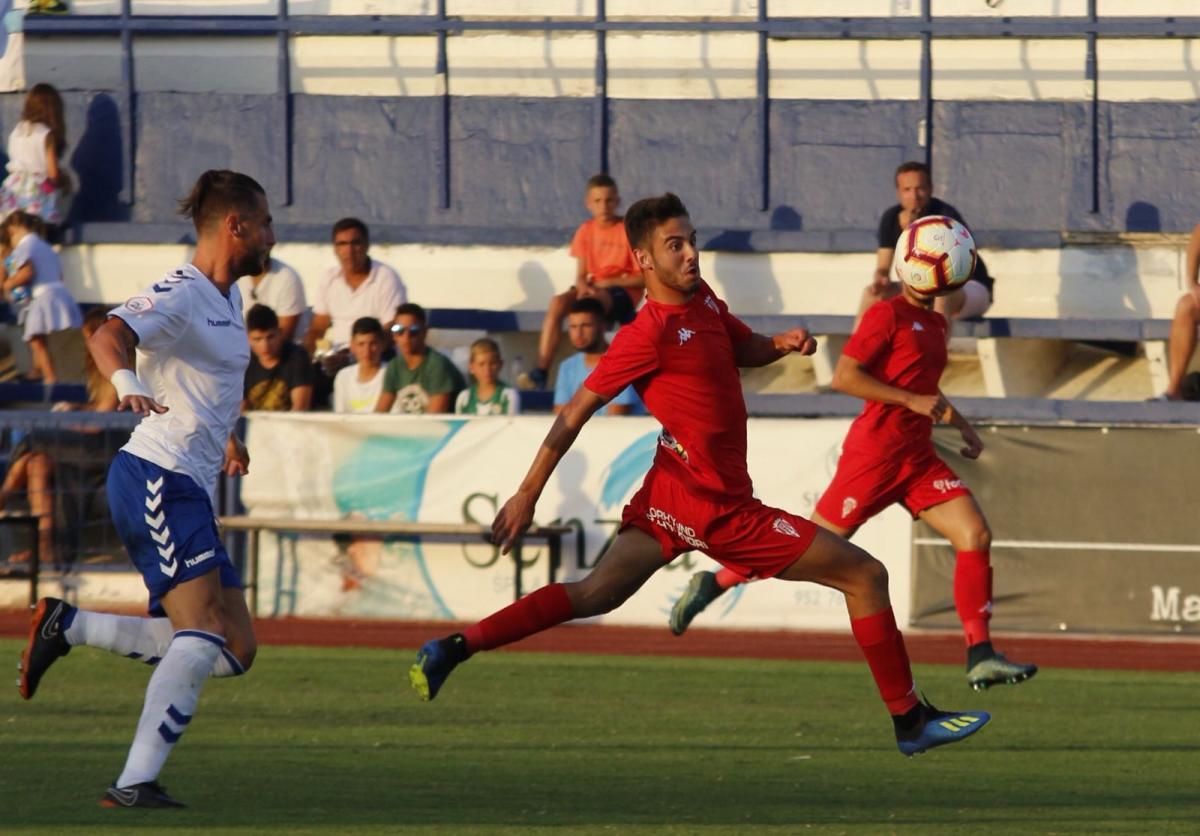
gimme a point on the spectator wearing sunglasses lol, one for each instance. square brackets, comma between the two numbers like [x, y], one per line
[418, 380]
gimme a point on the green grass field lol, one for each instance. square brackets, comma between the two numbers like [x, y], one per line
[332, 741]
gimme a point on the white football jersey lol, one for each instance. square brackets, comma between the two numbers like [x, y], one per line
[192, 355]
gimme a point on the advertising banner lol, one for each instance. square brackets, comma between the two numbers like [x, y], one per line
[1092, 530]
[446, 469]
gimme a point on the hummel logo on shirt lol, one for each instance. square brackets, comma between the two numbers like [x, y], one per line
[219, 323]
[685, 334]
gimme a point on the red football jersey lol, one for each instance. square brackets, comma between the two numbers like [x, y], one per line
[680, 360]
[904, 346]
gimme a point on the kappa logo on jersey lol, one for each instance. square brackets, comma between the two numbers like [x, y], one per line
[918, 326]
[784, 527]
[848, 506]
[160, 533]
[712, 303]
[685, 334]
[138, 304]
[947, 485]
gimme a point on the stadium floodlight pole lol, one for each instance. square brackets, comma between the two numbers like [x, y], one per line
[763, 87]
[283, 95]
[600, 99]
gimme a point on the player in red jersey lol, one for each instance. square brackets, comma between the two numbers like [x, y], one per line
[894, 361]
[682, 353]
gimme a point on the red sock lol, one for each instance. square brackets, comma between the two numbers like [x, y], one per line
[727, 578]
[539, 610]
[973, 594]
[887, 658]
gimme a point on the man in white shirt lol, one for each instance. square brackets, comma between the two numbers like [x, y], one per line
[280, 289]
[192, 353]
[358, 286]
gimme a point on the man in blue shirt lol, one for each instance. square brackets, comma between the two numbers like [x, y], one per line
[585, 328]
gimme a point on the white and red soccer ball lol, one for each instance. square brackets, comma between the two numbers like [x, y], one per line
[935, 254]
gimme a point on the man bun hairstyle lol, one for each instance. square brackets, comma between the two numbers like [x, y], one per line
[218, 192]
[648, 214]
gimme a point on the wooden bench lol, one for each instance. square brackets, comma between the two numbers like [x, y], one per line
[410, 531]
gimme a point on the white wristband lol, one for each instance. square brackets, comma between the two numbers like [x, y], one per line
[126, 383]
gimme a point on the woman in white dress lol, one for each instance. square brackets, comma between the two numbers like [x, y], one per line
[31, 278]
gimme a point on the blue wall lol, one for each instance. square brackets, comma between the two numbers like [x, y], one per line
[1017, 170]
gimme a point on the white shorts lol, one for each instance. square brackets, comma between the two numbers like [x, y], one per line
[976, 300]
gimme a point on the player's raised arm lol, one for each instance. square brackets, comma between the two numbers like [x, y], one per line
[517, 513]
[761, 350]
[112, 348]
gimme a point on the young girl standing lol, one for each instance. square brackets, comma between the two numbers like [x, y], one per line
[31, 271]
[36, 181]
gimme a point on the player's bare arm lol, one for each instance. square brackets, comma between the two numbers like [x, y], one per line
[883, 268]
[850, 378]
[1193, 264]
[974, 444]
[761, 350]
[237, 457]
[112, 347]
[517, 514]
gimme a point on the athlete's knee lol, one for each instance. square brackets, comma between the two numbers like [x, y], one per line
[977, 537]
[1186, 308]
[872, 573]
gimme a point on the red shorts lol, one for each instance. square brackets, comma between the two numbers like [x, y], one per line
[752, 539]
[865, 484]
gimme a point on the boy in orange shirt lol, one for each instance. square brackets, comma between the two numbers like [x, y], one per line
[604, 269]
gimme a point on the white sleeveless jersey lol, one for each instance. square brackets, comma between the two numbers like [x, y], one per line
[192, 355]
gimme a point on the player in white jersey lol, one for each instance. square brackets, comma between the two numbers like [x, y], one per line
[190, 341]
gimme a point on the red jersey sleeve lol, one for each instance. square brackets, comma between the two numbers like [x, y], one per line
[738, 331]
[873, 336]
[632, 355]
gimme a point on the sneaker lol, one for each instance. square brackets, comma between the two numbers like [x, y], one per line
[533, 379]
[939, 728]
[434, 662]
[46, 644]
[148, 794]
[701, 591]
[997, 670]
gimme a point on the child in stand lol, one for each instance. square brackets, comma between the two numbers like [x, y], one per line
[487, 394]
[356, 387]
[31, 275]
[605, 269]
[36, 181]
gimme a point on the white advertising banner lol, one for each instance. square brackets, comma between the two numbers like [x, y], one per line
[432, 469]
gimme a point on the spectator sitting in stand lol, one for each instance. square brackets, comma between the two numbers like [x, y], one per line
[418, 380]
[356, 387]
[914, 193]
[358, 286]
[1182, 341]
[487, 394]
[280, 289]
[279, 377]
[31, 277]
[585, 328]
[605, 270]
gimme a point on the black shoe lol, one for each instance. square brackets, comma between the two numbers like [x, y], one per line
[46, 644]
[148, 794]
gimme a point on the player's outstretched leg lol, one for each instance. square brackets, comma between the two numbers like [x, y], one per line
[928, 727]
[627, 564]
[46, 644]
[702, 590]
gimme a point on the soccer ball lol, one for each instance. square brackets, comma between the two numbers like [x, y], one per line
[934, 254]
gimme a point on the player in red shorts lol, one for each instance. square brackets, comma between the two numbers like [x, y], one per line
[894, 361]
[682, 353]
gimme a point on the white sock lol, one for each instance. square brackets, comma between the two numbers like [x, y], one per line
[143, 639]
[171, 699]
